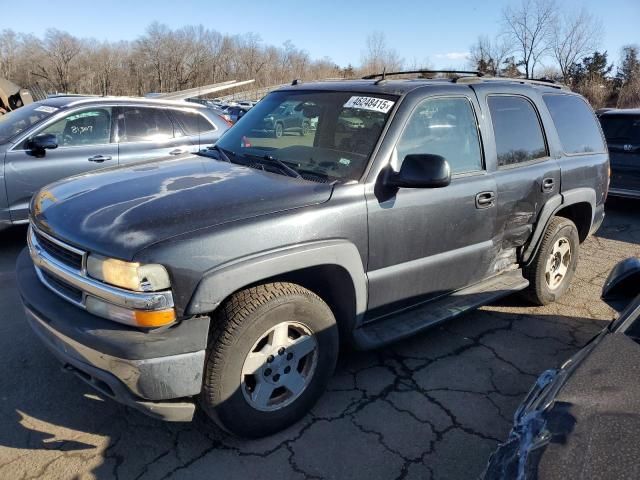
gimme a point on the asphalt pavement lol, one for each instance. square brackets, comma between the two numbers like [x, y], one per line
[433, 406]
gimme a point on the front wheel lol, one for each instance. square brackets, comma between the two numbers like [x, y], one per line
[553, 267]
[272, 352]
[278, 131]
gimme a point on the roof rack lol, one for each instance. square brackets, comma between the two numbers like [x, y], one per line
[408, 72]
[546, 82]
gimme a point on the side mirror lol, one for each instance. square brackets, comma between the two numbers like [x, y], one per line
[42, 142]
[421, 171]
[622, 284]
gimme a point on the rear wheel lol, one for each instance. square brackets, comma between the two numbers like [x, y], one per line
[553, 267]
[273, 349]
[305, 129]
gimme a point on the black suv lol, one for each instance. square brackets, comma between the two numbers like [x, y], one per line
[229, 279]
[622, 131]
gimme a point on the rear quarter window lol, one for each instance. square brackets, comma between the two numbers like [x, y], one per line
[192, 123]
[575, 123]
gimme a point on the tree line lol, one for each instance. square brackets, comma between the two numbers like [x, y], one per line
[539, 39]
[160, 60]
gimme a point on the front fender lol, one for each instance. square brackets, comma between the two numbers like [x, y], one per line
[220, 282]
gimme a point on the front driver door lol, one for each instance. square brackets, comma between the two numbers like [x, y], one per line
[426, 242]
[84, 144]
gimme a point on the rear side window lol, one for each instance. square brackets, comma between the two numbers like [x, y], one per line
[144, 124]
[517, 130]
[192, 123]
[621, 129]
[576, 124]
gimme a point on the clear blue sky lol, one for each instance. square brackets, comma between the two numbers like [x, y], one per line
[439, 31]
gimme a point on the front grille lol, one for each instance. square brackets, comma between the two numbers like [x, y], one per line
[69, 258]
[62, 287]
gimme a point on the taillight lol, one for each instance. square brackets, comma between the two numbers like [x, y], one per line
[226, 120]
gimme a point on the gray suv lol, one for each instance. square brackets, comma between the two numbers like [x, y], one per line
[230, 279]
[64, 136]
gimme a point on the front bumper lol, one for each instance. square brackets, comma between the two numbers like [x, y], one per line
[155, 372]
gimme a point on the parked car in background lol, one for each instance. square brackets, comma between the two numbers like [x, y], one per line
[286, 118]
[622, 131]
[229, 279]
[582, 420]
[63, 136]
[236, 112]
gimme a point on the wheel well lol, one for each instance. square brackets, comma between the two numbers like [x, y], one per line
[581, 214]
[332, 284]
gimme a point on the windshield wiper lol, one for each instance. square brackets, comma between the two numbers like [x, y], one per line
[273, 160]
[220, 151]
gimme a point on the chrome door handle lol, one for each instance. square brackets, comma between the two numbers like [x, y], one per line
[177, 151]
[99, 158]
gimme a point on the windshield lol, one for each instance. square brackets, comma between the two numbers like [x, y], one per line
[17, 121]
[621, 128]
[322, 135]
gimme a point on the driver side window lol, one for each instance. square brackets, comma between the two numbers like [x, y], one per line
[446, 127]
[88, 127]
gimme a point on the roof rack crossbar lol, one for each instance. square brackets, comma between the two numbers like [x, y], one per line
[408, 72]
[542, 81]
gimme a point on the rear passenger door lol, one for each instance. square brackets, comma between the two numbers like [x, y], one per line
[526, 173]
[146, 133]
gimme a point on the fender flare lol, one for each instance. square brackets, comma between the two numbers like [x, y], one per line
[220, 282]
[553, 205]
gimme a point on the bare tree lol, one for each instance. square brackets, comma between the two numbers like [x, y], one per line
[528, 26]
[377, 57]
[61, 50]
[572, 38]
[487, 56]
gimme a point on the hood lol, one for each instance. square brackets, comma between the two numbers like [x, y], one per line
[117, 212]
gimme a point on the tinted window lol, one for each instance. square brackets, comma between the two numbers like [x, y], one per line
[192, 123]
[88, 127]
[576, 124]
[621, 128]
[517, 130]
[446, 127]
[142, 124]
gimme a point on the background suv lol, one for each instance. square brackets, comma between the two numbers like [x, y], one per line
[63, 136]
[622, 129]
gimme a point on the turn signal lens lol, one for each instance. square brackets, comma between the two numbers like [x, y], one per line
[134, 318]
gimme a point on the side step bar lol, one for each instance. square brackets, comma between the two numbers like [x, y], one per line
[413, 320]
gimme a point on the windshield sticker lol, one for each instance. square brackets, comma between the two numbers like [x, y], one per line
[369, 103]
[344, 161]
[46, 109]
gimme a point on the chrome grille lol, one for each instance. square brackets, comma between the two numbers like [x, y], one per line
[57, 250]
[62, 288]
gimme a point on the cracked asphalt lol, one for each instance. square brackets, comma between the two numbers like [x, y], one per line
[433, 406]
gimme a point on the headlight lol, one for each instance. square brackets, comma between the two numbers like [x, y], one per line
[132, 276]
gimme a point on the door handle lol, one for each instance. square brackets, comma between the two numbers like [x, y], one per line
[547, 184]
[485, 199]
[177, 151]
[99, 158]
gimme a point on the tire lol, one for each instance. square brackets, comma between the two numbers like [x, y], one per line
[278, 130]
[551, 270]
[237, 345]
[305, 129]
